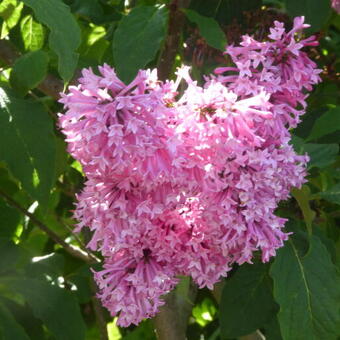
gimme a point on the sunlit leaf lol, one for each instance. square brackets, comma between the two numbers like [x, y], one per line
[33, 33]
[64, 38]
[137, 39]
[10, 12]
[204, 312]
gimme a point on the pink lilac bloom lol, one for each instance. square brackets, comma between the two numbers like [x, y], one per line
[187, 183]
[285, 71]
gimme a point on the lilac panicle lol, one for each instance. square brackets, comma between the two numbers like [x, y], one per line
[187, 183]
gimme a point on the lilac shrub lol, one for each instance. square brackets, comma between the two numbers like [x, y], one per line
[187, 183]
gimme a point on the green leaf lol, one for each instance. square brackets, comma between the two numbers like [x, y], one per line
[27, 144]
[89, 9]
[82, 279]
[144, 331]
[326, 124]
[225, 11]
[94, 43]
[204, 312]
[307, 289]
[24, 316]
[29, 70]
[32, 33]
[272, 330]
[9, 328]
[209, 29]
[113, 331]
[56, 307]
[51, 265]
[316, 12]
[10, 12]
[303, 196]
[61, 159]
[64, 37]
[247, 302]
[8, 183]
[9, 255]
[321, 155]
[10, 218]
[137, 39]
[331, 195]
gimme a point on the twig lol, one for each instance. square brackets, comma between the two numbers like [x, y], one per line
[52, 114]
[257, 335]
[8, 54]
[82, 244]
[99, 312]
[217, 291]
[76, 252]
[173, 39]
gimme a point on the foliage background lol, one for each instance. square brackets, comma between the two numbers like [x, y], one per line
[46, 289]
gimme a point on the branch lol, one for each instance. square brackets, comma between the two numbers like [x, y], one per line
[173, 39]
[257, 335]
[217, 291]
[51, 85]
[75, 252]
[172, 320]
[99, 312]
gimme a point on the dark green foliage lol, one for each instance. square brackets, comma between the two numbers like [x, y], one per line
[56, 307]
[247, 302]
[316, 12]
[209, 29]
[27, 144]
[307, 289]
[9, 327]
[29, 71]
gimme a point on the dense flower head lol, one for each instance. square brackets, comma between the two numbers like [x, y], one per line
[187, 183]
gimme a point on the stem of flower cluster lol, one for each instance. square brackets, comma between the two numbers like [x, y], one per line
[173, 39]
[172, 320]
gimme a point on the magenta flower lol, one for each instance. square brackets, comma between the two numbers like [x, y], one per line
[187, 184]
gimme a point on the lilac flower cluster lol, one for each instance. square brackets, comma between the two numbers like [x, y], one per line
[187, 184]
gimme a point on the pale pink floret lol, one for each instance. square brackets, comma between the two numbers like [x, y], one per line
[187, 184]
